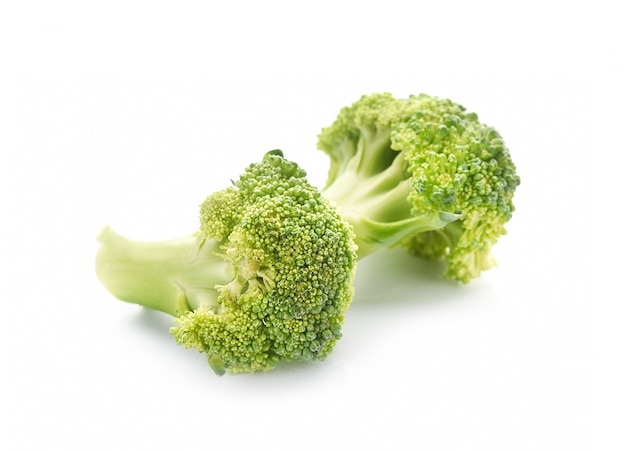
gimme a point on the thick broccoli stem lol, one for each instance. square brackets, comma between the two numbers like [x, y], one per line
[377, 206]
[172, 276]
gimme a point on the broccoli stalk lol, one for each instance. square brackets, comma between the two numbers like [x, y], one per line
[174, 276]
[267, 278]
[421, 173]
[376, 204]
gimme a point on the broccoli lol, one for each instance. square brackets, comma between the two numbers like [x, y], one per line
[422, 173]
[267, 278]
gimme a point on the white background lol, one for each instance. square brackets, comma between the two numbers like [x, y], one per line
[129, 113]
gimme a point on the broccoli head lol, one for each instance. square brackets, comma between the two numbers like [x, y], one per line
[423, 173]
[267, 278]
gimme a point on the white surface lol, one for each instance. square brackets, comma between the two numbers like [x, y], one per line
[129, 113]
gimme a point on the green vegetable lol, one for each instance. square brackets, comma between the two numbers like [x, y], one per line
[422, 173]
[267, 277]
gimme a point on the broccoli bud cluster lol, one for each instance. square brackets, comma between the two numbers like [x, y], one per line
[426, 169]
[293, 258]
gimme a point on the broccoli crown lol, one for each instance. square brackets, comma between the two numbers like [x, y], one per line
[293, 260]
[429, 157]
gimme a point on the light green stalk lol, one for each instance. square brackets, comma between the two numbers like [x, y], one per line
[173, 276]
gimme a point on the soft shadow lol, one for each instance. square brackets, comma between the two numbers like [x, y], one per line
[157, 323]
[396, 277]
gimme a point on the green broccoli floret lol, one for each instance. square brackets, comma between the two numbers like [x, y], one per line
[267, 278]
[424, 173]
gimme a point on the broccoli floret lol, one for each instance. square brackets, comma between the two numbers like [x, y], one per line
[423, 173]
[267, 278]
